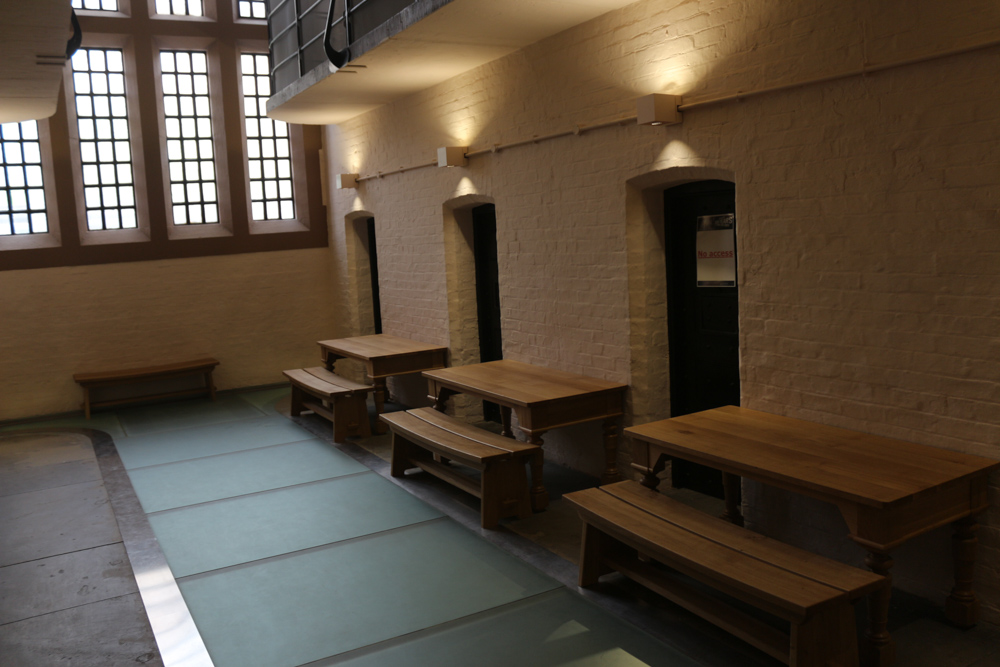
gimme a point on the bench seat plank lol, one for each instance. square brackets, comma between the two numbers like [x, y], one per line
[465, 430]
[444, 442]
[779, 591]
[323, 374]
[326, 388]
[146, 372]
[803, 563]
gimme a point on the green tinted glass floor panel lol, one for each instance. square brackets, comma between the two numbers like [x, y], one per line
[201, 480]
[307, 606]
[240, 530]
[185, 414]
[190, 443]
[265, 400]
[553, 629]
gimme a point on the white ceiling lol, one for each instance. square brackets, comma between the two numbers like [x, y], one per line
[456, 38]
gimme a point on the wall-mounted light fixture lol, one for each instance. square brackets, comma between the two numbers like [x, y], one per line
[346, 181]
[658, 109]
[452, 156]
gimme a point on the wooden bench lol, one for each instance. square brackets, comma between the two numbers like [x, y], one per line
[427, 439]
[104, 379]
[626, 526]
[341, 401]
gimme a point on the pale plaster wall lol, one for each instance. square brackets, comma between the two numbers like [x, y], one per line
[258, 314]
[867, 221]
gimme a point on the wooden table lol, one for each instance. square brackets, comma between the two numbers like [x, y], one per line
[384, 355]
[888, 491]
[543, 399]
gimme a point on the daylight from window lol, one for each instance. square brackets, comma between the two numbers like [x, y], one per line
[253, 9]
[22, 198]
[105, 149]
[96, 5]
[268, 147]
[188, 125]
[180, 7]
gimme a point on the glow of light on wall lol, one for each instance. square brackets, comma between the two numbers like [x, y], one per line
[676, 151]
[465, 187]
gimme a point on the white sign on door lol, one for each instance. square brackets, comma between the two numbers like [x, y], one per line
[716, 248]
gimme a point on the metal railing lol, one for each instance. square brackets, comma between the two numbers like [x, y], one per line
[304, 34]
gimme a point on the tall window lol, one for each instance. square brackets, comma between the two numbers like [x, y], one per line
[268, 147]
[22, 193]
[105, 148]
[163, 138]
[187, 109]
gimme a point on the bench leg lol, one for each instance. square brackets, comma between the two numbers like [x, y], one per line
[350, 417]
[86, 402]
[297, 403]
[491, 497]
[593, 544]
[210, 385]
[504, 492]
[828, 638]
[404, 453]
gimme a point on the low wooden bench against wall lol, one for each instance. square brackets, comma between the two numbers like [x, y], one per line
[132, 376]
[425, 438]
[626, 525]
[337, 399]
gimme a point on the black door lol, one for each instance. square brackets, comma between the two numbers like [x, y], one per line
[373, 266]
[702, 310]
[484, 240]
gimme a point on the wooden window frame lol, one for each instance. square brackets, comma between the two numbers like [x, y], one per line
[226, 36]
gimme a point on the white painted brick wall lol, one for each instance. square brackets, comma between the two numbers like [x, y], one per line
[869, 212]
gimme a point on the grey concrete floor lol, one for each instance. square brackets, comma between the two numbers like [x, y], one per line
[67, 593]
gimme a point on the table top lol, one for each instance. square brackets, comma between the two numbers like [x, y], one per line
[832, 462]
[519, 384]
[377, 346]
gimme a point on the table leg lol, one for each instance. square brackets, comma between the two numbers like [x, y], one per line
[539, 496]
[962, 607]
[441, 400]
[733, 487]
[329, 359]
[380, 393]
[651, 479]
[611, 473]
[878, 648]
[505, 422]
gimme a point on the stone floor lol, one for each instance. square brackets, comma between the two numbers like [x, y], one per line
[67, 591]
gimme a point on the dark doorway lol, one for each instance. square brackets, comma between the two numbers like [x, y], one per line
[373, 270]
[702, 312]
[484, 241]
